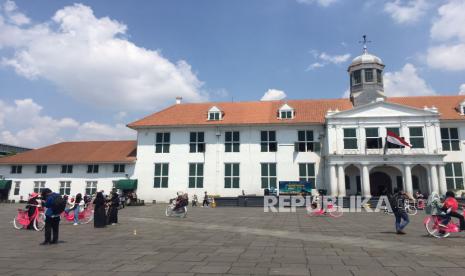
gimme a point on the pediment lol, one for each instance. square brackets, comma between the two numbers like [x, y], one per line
[383, 109]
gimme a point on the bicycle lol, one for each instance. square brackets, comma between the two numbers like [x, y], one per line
[433, 222]
[181, 212]
[22, 219]
[331, 209]
[86, 216]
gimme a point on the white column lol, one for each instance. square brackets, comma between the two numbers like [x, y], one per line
[408, 180]
[442, 180]
[341, 180]
[434, 179]
[365, 181]
[332, 180]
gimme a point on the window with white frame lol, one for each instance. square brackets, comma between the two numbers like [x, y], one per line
[91, 187]
[231, 175]
[197, 142]
[214, 114]
[160, 179]
[65, 187]
[350, 138]
[231, 141]
[16, 169]
[416, 137]
[369, 75]
[373, 141]
[307, 173]
[268, 141]
[119, 168]
[92, 168]
[195, 175]
[41, 169]
[450, 139]
[268, 175]
[66, 168]
[162, 142]
[17, 186]
[454, 176]
[39, 186]
[306, 142]
[357, 77]
[286, 112]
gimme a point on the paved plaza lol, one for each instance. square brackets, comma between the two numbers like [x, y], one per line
[231, 241]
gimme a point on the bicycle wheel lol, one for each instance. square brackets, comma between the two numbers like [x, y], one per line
[412, 210]
[89, 216]
[168, 211]
[432, 227]
[335, 212]
[16, 223]
[39, 222]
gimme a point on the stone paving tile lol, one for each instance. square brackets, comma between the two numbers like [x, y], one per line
[241, 241]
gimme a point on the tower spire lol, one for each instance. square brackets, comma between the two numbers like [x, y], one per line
[365, 41]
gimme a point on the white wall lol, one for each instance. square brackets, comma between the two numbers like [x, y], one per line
[52, 178]
[214, 158]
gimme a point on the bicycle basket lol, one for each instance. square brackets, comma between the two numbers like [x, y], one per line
[433, 208]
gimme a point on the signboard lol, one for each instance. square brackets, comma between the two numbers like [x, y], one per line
[295, 187]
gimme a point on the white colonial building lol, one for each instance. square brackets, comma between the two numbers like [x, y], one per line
[231, 148]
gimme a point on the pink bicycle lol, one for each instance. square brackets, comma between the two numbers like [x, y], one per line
[86, 216]
[22, 219]
[331, 209]
[432, 225]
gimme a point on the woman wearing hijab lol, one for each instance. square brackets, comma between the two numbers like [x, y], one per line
[113, 209]
[31, 207]
[99, 211]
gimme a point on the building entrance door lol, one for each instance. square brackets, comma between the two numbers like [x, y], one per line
[379, 183]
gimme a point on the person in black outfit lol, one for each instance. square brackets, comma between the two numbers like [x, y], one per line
[52, 220]
[99, 211]
[113, 209]
[31, 207]
[205, 200]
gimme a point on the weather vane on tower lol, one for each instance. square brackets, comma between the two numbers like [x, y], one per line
[365, 41]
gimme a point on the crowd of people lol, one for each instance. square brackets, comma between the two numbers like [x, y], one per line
[105, 210]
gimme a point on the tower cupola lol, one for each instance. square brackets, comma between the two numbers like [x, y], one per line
[366, 78]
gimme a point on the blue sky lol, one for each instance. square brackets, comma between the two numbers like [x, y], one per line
[82, 71]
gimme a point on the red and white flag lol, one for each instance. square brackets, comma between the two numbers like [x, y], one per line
[393, 138]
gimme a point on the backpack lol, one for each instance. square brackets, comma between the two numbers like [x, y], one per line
[58, 205]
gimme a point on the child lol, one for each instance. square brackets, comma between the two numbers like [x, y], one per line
[450, 207]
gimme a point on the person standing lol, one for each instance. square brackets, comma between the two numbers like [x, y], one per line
[205, 200]
[113, 209]
[76, 208]
[194, 201]
[398, 204]
[31, 207]
[99, 211]
[55, 206]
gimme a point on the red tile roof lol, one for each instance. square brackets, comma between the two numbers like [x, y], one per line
[265, 112]
[87, 152]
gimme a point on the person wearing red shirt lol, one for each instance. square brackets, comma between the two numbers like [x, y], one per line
[450, 207]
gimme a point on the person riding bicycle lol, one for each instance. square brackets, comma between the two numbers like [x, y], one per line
[181, 201]
[31, 206]
[450, 207]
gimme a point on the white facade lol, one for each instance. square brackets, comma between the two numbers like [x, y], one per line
[78, 178]
[214, 158]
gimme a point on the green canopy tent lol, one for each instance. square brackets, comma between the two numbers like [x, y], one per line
[126, 184]
[5, 184]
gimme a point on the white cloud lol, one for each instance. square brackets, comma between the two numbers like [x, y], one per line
[23, 123]
[323, 3]
[406, 82]
[93, 61]
[448, 29]
[406, 11]
[462, 89]
[325, 59]
[273, 95]
[12, 14]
